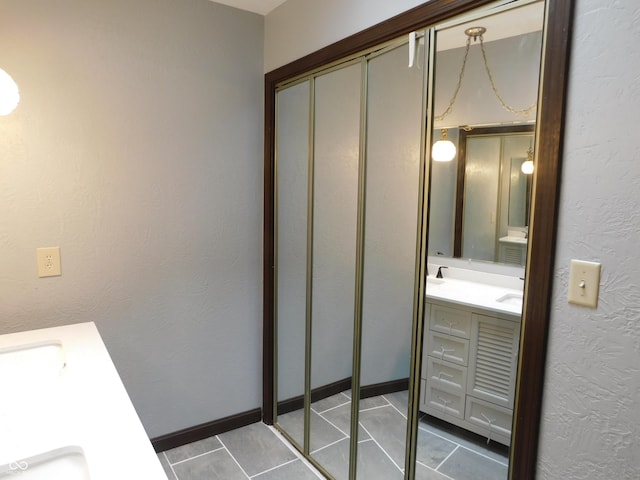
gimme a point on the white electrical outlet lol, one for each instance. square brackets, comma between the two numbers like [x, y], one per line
[584, 283]
[48, 259]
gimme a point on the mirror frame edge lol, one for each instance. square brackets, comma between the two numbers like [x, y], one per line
[541, 255]
[523, 455]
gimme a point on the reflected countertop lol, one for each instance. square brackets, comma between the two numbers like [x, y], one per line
[504, 298]
[510, 239]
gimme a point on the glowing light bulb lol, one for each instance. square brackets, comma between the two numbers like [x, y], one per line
[443, 150]
[527, 167]
[9, 93]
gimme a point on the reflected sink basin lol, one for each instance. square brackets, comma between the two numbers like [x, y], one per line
[32, 362]
[514, 299]
[435, 281]
[66, 463]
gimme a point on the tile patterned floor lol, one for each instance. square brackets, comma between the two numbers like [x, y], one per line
[260, 452]
[253, 452]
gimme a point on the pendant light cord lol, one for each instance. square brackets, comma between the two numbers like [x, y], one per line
[524, 112]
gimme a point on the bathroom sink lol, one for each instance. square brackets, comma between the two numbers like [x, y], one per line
[32, 362]
[435, 281]
[66, 463]
[514, 299]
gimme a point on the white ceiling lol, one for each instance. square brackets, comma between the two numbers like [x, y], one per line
[257, 6]
[509, 23]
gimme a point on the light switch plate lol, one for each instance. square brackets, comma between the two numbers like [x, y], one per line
[48, 259]
[584, 283]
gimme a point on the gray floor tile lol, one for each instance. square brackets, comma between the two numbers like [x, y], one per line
[340, 417]
[193, 449]
[293, 424]
[432, 449]
[426, 473]
[465, 442]
[290, 471]
[373, 464]
[256, 448]
[389, 428]
[216, 465]
[400, 400]
[321, 432]
[330, 402]
[335, 459]
[467, 465]
[167, 468]
[372, 402]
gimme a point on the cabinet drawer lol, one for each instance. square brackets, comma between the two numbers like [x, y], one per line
[446, 376]
[446, 347]
[450, 321]
[494, 420]
[440, 403]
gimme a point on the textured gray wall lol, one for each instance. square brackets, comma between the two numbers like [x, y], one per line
[137, 148]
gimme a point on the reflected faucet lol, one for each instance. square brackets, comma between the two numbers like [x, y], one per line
[439, 274]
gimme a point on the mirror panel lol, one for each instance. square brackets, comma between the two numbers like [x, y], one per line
[517, 194]
[393, 136]
[512, 43]
[292, 159]
[548, 160]
[442, 201]
[481, 179]
[335, 203]
[472, 314]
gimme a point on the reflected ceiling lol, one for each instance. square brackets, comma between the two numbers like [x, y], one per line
[510, 23]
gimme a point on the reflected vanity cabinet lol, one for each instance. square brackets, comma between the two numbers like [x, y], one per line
[469, 367]
[512, 253]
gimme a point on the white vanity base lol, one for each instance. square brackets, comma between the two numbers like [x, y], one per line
[64, 412]
[470, 354]
[469, 368]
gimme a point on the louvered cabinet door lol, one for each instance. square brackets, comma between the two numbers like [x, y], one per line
[516, 254]
[493, 359]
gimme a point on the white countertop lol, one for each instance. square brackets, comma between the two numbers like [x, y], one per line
[509, 239]
[73, 398]
[475, 294]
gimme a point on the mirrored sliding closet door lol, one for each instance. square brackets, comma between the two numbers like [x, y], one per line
[407, 183]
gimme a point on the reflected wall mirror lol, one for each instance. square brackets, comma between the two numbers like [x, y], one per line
[492, 199]
[355, 317]
[493, 226]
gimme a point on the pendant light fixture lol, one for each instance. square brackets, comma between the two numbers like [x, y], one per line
[475, 33]
[443, 150]
[527, 166]
[9, 93]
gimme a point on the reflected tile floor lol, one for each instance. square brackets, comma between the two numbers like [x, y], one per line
[260, 452]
